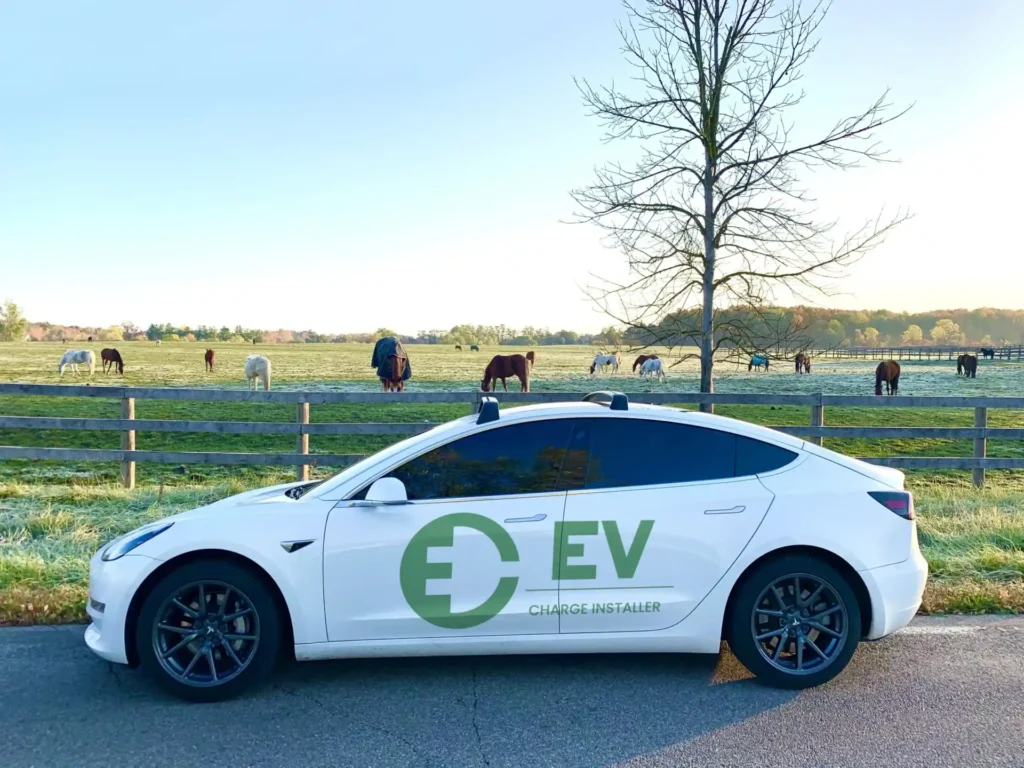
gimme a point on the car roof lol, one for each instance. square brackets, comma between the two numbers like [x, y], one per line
[646, 411]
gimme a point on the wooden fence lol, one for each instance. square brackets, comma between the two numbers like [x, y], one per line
[947, 352]
[128, 425]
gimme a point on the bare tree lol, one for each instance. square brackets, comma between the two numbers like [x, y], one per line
[713, 213]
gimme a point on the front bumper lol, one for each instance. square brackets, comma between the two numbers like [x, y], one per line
[896, 592]
[111, 587]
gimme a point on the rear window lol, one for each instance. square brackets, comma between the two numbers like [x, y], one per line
[755, 458]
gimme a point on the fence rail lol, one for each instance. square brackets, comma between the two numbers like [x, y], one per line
[302, 429]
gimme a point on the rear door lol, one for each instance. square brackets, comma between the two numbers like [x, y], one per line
[660, 520]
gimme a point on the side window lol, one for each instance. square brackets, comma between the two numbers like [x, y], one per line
[521, 458]
[574, 467]
[631, 452]
[754, 457]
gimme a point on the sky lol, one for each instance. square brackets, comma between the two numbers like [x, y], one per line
[342, 165]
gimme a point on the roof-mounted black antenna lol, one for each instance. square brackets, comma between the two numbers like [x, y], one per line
[616, 401]
[488, 410]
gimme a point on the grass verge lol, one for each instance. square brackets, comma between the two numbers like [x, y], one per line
[973, 541]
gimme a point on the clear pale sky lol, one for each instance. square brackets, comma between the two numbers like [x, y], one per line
[336, 166]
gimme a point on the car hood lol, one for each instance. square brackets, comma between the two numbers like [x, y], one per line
[885, 475]
[271, 495]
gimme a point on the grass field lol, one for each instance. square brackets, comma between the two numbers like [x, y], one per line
[54, 516]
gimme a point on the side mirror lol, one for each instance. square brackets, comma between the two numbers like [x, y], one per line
[386, 491]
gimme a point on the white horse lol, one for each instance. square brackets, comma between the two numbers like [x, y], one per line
[258, 367]
[652, 368]
[75, 356]
[602, 361]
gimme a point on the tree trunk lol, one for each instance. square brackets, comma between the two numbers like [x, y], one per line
[707, 323]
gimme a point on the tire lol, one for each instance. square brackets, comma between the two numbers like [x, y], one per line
[835, 609]
[211, 637]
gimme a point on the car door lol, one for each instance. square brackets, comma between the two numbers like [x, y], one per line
[465, 554]
[660, 520]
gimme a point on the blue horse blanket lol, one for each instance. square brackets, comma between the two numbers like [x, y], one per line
[387, 347]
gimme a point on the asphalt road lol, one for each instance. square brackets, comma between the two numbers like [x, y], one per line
[944, 692]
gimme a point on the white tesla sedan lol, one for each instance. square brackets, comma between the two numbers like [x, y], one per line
[595, 526]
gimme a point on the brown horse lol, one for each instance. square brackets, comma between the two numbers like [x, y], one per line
[967, 365]
[395, 380]
[112, 358]
[503, 366]
[208, 361]
[641, 360]
[889, 372]
[458, 347]
[803, 363]
[532, 358]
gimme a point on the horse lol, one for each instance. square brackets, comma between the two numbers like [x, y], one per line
[503, 366]
[643, 359]
[258, 367]
[652, 367]
[112, 358]
[889, 372]
[392, 364]
[158, 342]
[75, 356]
[89, 339]
[757, 361]
[988, 352]
[458, 347]
[603, 361]
[803, 363]
[208, 361]
[531, 359]
[967, 365]
[474, 348]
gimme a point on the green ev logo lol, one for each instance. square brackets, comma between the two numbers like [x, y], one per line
[416, 571]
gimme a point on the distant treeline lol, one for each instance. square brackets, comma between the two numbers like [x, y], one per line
[814, 327]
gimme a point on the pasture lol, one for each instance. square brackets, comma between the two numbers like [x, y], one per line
[53, 515]
[346, 367]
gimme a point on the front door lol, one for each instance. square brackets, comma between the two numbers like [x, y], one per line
[469, 553]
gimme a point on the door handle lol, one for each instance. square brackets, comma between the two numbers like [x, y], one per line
[734, 511]
[534, 519]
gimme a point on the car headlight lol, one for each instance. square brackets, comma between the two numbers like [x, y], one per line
[121, 546]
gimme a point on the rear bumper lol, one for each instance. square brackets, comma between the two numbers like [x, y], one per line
[896, 592]
[111, 588]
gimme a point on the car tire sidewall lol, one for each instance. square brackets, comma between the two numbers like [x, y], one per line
[744, 646]
[236, 576]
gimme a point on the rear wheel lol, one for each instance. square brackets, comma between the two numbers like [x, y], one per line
[208, 630]
[795, 622]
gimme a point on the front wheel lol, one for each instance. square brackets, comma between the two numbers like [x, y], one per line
[207, 630]
[795, 622]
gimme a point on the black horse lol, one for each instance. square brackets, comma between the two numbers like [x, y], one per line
[988, 352]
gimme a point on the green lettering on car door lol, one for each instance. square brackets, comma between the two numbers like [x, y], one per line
[626, 562]
[563, 550]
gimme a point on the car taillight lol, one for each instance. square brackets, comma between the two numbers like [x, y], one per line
[900, 502]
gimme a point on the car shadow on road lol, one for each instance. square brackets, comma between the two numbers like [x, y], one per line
[572, 711]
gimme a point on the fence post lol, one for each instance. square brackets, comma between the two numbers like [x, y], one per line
[302, 446]
[980, 445]
[128, 442]
[817, 419]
